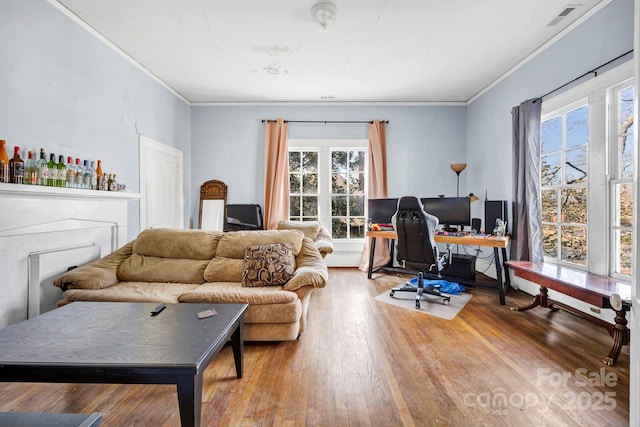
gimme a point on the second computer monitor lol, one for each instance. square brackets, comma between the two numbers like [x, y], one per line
[451, 211]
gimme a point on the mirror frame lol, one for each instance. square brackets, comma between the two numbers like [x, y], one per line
[213, 190]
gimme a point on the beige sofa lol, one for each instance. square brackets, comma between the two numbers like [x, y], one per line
[313, 230]
[196, 266]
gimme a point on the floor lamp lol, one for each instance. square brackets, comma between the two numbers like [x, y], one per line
[457, 168]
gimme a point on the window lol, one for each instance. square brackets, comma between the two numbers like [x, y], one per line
[586, 174]
[622, 170]
[564, 177]
[327, 183]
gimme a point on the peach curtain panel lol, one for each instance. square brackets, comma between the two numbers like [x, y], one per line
[276, 173]
[377, 189]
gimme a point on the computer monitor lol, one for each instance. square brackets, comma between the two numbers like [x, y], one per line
[380, 211]
[451, 211]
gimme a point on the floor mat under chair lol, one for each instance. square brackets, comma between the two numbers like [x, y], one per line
[429, 304]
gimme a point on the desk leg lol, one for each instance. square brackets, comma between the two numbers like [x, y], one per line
[620, 337]
[507, 279]
[190, 399]
[372, 251]
[501, 289]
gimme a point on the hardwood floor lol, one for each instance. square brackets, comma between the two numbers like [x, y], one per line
[366, 363]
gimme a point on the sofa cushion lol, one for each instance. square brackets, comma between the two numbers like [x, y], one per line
[141, 268]
[268, 265]
[177, 243]
[235, 293]
[228, 264]
[309, 228]
[132, 292]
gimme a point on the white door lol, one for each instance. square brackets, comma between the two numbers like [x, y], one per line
[161, 195]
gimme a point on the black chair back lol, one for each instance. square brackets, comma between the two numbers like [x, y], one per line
[416, 246]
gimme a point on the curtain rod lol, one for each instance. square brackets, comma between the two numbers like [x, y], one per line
[324, 121]
[594, 72]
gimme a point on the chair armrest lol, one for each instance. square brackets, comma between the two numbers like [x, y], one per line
[324, 242]
[98, 274]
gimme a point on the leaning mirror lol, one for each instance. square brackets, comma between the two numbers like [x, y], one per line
[213, 206]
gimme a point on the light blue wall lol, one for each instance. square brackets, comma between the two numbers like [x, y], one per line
[227, 144]
[604, 36]
[66, 91]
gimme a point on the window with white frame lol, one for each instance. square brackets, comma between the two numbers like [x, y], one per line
[327, 183]
[586, 168]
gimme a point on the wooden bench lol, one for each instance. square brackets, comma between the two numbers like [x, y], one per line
[588, 287]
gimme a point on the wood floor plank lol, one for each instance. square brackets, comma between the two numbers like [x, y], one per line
[362, 362]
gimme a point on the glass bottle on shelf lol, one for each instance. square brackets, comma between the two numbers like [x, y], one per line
[53, 171]
[79, 174]
[86, 175]
[109, 182]
[4, 161]
[62, 172]
[99, 175]
[30, 170]
[114, 183]
[43, 168]
[16, 167]
[71, 173]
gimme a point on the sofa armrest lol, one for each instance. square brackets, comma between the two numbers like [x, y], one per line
[324, 242]
[98, 274]
[311, 270]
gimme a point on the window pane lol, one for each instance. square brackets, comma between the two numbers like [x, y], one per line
[624, 252]
[550, 205]
[294, 206]
[310, 183]
[550, 240]
[576, 166]
[294, 161]
[338, 228]
[625, 200]
[310, 206]
[356, 161]
[626, 132]
[551, 135]
[339, 206]
[574, 205]
[356, 206]
[338, 183]
[294, 183]
[574, 244]
[356, 228]
[550, 170]
[577, 127]
[356, 184]
[339, 161]
[310, 161]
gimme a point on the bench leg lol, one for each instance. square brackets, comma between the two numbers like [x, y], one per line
[620, 336]
[542, 300]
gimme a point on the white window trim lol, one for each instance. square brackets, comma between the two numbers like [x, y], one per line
[595, 90]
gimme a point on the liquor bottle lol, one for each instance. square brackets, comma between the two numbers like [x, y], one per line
[114, 183]
[99, 175]
[109, 182]
[79, 174]
[30, 170]
[53, 171]
[104, 185]
[86, 175]
[16, 167]
[43, 168]
[4, 162]
[71, 173]
[62, 172]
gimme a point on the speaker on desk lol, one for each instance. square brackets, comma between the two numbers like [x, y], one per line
[476, 224]
[493, 211]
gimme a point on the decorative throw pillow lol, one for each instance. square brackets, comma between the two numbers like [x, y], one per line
[268, 265]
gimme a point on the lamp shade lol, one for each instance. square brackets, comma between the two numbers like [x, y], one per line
[458, 167]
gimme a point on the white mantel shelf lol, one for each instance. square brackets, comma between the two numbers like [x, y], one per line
[39, 190]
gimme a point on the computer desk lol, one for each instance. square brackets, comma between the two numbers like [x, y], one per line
[499, 245]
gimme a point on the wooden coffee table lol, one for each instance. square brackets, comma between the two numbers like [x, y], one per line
[103, 342]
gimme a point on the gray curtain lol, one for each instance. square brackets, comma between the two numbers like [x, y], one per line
[526, 242]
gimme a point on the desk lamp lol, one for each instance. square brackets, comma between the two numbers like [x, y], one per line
[457, 168]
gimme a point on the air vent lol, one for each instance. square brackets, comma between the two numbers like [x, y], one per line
[566, 11]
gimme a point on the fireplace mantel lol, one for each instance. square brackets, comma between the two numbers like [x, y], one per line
[53, 192]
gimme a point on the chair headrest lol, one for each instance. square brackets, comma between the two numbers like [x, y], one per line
[409, 202]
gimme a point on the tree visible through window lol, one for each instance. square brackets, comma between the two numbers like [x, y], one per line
[348, 182]
[564, 172]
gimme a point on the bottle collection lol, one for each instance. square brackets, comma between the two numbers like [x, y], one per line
[87, 175]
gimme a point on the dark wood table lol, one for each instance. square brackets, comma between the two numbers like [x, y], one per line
[102, 342]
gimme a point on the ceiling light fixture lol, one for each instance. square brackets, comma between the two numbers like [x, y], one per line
[324, 12]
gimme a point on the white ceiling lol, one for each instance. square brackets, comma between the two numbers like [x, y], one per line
[376, 51]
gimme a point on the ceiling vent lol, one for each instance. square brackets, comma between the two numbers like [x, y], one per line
[566, 11]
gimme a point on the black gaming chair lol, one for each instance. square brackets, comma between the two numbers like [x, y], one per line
[416, 246]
